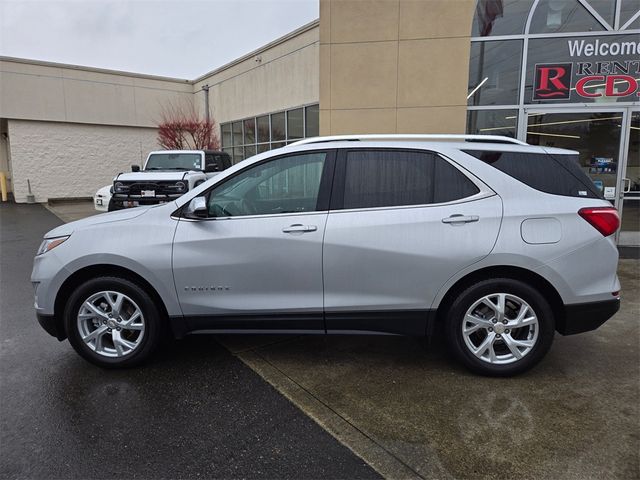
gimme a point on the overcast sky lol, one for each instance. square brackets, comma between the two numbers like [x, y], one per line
[178, 38]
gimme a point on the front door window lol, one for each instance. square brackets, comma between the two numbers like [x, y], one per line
[285, 185]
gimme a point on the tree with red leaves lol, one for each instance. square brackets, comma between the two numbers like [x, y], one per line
[181, 128]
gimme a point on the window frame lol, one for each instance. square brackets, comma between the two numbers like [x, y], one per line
[618, 28]
[324, 192]
[339, 184]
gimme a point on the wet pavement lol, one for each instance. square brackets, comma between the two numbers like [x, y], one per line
[412, 412]
[195, 412]
[409, 411]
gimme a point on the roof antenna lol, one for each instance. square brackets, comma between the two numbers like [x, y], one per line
[30, 197]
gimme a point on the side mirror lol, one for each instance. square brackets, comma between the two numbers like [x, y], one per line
[211, 167]
[135, 168]
[197, 208]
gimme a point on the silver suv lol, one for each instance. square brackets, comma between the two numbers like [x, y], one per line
[499, 243]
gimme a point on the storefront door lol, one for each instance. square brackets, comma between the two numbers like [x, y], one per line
[607, 140]
[630, 184]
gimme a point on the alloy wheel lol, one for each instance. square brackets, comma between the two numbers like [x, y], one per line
[111, 324]
[500, 328]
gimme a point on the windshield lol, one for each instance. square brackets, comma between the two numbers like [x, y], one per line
[174, 161]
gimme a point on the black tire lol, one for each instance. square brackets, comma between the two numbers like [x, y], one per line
[472, 294]
[153, 322]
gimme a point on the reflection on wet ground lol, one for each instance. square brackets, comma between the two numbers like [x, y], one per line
[575, 416]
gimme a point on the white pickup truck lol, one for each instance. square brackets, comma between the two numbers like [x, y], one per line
[167, 174]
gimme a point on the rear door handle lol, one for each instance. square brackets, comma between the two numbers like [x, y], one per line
[299, 228]
[461, 219]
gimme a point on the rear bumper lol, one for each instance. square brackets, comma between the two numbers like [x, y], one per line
[52, 325]
[584, 317]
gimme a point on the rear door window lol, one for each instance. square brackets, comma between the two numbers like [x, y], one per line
[388, 178]
[549, 173]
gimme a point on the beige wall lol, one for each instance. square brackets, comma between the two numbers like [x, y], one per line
[72, 160]
[31, 90]
[394, 66]
[280, 75]
[71, 129]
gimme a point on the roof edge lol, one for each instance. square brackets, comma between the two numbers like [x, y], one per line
[298, 31]
[85, 68]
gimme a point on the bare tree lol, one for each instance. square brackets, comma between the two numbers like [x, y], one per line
[181, 128]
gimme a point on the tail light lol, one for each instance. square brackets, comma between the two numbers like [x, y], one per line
[603, 219]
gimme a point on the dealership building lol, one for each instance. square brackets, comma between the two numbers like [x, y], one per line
[562, 73]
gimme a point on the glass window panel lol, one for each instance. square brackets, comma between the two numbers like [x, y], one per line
[277, 145]
[249, 151]
[583, 56]
[630, 229]
[552, 16]
[450, 183]
[533, 169]
[238, 154]
[295, 126]
[500, 17]
[492, 122]
[605, 8]
[226, 134]
[263, 147]
[628, 10]
[284, 185]
[312, 125]
[250, 131]
[494, 72]
[237, 133]
[278, 130]
[596, 136]
[635, 25]
[388, 178]
[263, 129]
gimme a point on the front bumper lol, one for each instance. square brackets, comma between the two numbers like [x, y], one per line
[119, 201]
[584, 317]
[52, 325]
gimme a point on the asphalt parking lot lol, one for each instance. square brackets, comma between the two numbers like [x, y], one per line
[409, 412]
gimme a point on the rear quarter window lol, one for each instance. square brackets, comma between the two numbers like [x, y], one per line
[555, 174]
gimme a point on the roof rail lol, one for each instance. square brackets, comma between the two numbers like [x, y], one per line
[411, 137]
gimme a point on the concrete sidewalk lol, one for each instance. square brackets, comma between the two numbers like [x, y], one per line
[69, 211]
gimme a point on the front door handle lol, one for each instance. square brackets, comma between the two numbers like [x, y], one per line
[299, 228]
[460, 219]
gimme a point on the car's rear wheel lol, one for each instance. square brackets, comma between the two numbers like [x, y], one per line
[500, 327]
[112, 322]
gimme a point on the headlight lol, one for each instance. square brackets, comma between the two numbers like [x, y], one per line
[181, 186]
[50, 243]
[119, 187]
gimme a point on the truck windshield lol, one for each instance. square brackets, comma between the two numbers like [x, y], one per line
[174, 161]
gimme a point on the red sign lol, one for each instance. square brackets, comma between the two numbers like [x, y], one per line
[552, 81]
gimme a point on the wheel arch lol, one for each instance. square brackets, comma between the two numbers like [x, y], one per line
[503, 271]
[102, 270]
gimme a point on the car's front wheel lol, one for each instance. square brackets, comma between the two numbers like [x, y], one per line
[500, 327]
[112, 322]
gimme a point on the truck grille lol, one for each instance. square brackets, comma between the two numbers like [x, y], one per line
[161, 188]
